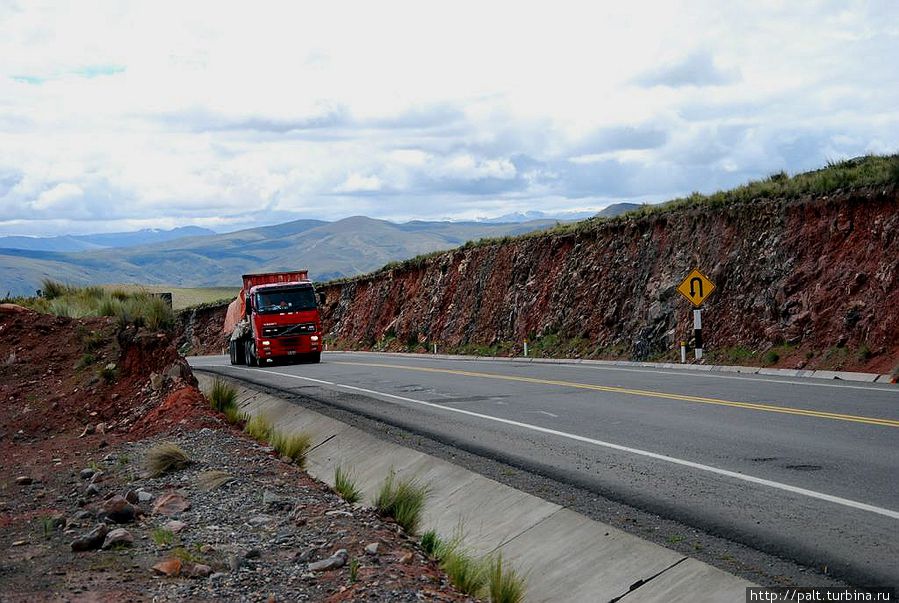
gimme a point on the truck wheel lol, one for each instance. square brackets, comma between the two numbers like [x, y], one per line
[250, 356]
[315, 357]
[236, 349]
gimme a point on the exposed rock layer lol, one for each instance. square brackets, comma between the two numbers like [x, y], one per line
[817, 274]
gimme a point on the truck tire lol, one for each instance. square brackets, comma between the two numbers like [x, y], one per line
[315, 357]
[250, 356]
[236, 350]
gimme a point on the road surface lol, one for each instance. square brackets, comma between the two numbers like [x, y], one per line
[804, 469]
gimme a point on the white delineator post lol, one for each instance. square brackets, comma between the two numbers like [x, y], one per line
[697, 332]
[435, 349]
[525, 348]
[683, 352]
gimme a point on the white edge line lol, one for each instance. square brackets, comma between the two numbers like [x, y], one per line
[653, 455]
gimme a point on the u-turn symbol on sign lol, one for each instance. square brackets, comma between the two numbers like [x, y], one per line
[696, 287]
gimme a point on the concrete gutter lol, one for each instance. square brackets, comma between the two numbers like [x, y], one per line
[565, 555]
[751, 370]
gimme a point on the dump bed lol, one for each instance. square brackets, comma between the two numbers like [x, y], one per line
[237, 307]
[271, 278]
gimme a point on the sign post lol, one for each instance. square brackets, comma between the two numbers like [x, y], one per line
[696, 288]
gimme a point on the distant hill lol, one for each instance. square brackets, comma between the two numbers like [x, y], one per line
[616, 209]
[527, 216]
[87, 242]
[328, 249]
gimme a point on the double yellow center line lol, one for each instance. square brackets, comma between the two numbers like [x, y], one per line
[642, 392]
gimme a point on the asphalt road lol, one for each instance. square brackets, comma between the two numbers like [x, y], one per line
[804, 469]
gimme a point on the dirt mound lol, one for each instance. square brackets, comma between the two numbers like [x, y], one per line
[61, 374]
[185, 406]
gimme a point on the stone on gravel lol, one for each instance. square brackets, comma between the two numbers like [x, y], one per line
[92, 540]
[335, 561]
[144, 496]
[131, 496]
[171, 503]
[198, 570]
[82, 515]
[304, 556]
[235, 563]
[174, 526]
[372, 549]
[92, 490]
[87, 473]
[120, 510]
[168, 567]
[259, 520]
[274, 501]
[118, 537]
[253, 554]
[338, 513]
[156, 381]
[24, 480]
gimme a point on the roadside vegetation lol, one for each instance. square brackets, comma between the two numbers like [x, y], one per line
[293, 446]
[165, 458]
[487, 577]
[345, 485]
[222, 397]
[139, 308]
[404, 500]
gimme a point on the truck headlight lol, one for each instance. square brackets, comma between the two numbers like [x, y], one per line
[266, 343]
[314, 338]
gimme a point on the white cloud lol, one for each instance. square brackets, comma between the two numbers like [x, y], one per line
[159, 114]
[357, 183]
[58, 196]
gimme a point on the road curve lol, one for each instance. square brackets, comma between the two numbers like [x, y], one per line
[804, 469]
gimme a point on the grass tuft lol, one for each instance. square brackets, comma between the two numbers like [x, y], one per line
[235, 416]
[404, 500]
[222, 395]
[345, 485]
[293, 446]
[210, 480]
[166, 457]
[162, 536]
[259, 428]
[430, 542]
[465, 572]
[504, 584]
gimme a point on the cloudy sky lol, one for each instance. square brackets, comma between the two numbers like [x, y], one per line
[121, 115]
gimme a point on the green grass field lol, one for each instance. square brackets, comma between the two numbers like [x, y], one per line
[184, 297]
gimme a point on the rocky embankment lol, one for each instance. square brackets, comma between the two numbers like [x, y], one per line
[809, 282]
[83, 517]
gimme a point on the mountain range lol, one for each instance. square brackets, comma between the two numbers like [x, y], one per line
[195, 257]
[67, 243]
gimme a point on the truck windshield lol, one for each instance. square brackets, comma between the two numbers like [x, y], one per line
[285, 300]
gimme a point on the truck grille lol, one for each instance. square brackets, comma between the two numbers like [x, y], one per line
[282, 330]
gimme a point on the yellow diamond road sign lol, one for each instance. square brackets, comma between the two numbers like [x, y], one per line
[696, 287]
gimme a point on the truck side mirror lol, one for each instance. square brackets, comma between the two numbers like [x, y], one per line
[321, 298]
[248, 307]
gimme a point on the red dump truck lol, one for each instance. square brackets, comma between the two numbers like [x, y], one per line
[275, 316]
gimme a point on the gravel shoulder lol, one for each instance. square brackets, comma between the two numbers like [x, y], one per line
[81, 518]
